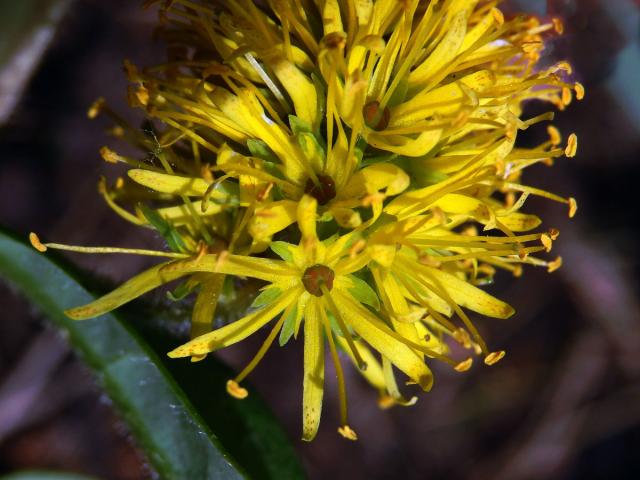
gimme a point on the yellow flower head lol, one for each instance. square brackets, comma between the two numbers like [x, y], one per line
[364, 143]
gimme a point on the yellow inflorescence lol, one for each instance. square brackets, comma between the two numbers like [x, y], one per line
[359, 158]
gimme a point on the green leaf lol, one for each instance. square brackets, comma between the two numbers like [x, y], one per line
[42, 475]
[199, 436]
[362, 292]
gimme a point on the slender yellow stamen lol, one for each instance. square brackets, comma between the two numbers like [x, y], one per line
[42, 247]
[362, 365]
[236, 390]
[494, 357]
[342, 393]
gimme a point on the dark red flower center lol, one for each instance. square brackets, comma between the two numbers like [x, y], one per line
[375, 117]
[324, 191]
[314, 278]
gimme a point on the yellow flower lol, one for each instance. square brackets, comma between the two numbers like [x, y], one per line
[363, 142]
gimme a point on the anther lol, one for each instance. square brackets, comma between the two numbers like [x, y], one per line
[109, 155]
[36, 243]
[547, 242]
[554, 135]
[316, 277]
[464, 365]
[95, 108]
[498, 16]
[235, 390]
[554, 265]
[324, 191]
[347, 432]
[385, 402]
[572, 146]
[579, 88]
[558, 25]
[573, 207]
[375, 117]
[494, 357]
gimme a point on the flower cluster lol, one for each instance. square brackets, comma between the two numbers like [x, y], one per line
[357, 157]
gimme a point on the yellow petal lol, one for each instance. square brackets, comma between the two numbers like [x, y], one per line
[272, 218]
[184, 214]
[174, 184]
[520, 222]
[306, 213]
[133, 288]
[375, 333]
[383, 254]
[374, 178]
[373, 373]
[331, 17]
[445, 100]
[313, 381]
[300, 89]
[444, 53]
[346, 217]
[403, 145]
[467, 295]
[236, 331]
[204, 308]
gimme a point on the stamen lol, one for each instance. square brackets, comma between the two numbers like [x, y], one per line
[554, 265]
[494, 357]
[236, 390]
[362, 365]
[573, 207]
[96, 107]
[342, 394]
[572, 146]
[42, 247]
[262, 351]
[464, 365]
[554, 135]
[347, 433]
[35, 243]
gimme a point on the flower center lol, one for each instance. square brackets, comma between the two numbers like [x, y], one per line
[314, 278]
[324, 191]
[375, 117]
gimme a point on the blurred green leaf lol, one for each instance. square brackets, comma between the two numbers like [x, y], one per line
[175, 429]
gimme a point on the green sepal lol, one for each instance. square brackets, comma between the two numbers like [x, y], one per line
[266, 297]
[288, 327]
[164, 228]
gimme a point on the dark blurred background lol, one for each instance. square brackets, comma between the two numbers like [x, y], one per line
[563, 404]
